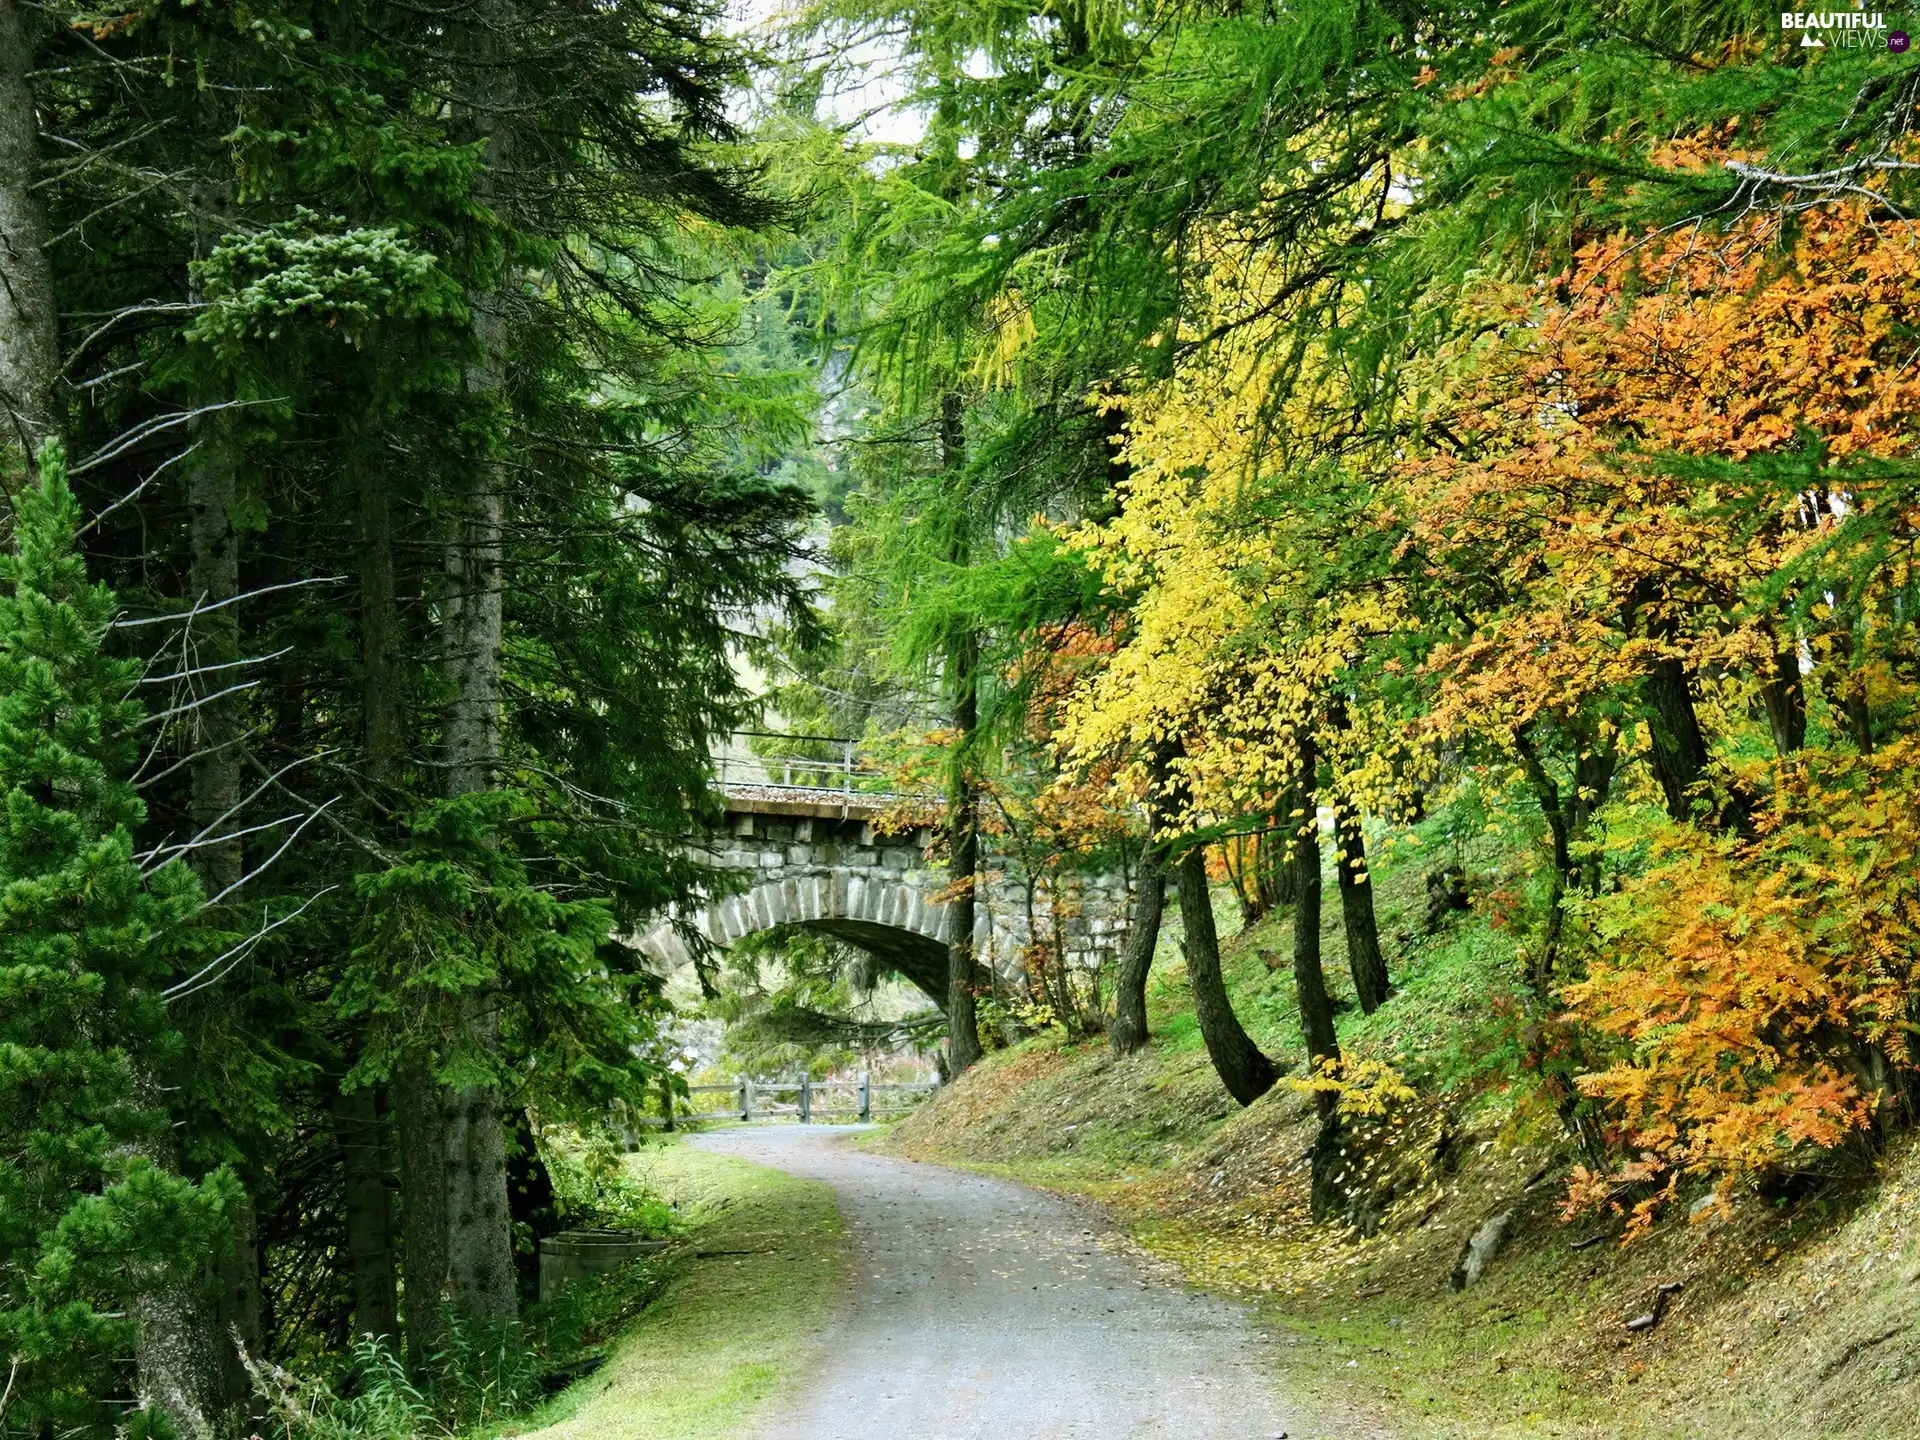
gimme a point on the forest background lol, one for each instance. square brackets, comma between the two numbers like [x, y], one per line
[1246, 431]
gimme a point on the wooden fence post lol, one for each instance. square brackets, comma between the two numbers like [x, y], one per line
[806, 1098]
[746, 1100]
[866, 1097]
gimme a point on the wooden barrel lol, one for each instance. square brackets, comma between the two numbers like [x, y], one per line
[574, 1254]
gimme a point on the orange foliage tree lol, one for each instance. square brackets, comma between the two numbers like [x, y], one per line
[1668, 501]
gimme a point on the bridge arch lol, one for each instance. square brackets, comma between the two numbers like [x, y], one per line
[814, 857]
[886, 913]
[820, 866]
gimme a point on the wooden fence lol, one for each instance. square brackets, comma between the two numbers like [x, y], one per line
[807, 1100]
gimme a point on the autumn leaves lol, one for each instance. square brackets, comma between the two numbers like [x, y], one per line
[1632, 545]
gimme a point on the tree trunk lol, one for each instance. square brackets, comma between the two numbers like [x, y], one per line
[383, 719]
[479, 1219]
[1276, 870]
[472, 612]
[1244, 1070]
[1309, 979]
[1786, 703]
[214, 579]
[963, 803]
[1560, 831]
[472, 624]
[214, 738]
[29, 320]
[963, 820]
[473, 1262]
[420, 1130]
[359, 1132]
[1859, 714]
[1264, 879]
[1369, 966]
[359, 1127]
[178, 1376]
[1679, 749]
[236, 1313]
[177, 1360]
[479, 1241]
[1128, 1031]
[1567, 818]
[1327, 1167]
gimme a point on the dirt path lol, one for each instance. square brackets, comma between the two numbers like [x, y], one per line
[980, 1308]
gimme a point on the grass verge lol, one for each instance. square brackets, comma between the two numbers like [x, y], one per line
[755, 1280]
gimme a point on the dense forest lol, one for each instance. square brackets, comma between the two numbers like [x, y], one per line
[1195, 441]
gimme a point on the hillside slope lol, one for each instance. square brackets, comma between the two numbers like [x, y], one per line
[1798, 1312]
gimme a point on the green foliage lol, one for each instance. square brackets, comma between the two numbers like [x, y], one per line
[89, 1222]
[477, 1377]
[593, 1187]
[798, 1002]
[460, 914]
[278, 230]
[586, 1316]
[1269, 282]
[481, 1373]
[346, 280]
[384, 1404]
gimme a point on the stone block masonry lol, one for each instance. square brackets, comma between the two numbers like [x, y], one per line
[819, 862]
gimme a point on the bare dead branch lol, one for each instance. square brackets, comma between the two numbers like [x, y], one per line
[172, 712]
[180, 764]
[267, 864]
[198, 609]
[174, 852]
[199, 670]
[345, 832]
[147, 429]
[135, 493]
[243, 802]
[206, 976]
[114, 317]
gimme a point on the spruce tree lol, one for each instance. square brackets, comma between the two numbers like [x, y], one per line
[89, 1223]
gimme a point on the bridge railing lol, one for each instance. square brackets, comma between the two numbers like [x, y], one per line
[796, 762]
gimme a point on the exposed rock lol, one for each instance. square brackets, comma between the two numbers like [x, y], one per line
[1480, 1248]
[1446, 892]
[1707, 1204]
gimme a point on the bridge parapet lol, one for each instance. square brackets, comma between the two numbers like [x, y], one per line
[761, 762]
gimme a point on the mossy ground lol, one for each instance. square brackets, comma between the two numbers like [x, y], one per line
[756, 1275]
[1797, 1319]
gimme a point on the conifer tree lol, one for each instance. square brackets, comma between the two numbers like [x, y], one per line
[89, 1223]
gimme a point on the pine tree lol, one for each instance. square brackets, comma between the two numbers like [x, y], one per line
[89, 1224]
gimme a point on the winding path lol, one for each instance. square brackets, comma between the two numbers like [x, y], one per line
[980, 1310]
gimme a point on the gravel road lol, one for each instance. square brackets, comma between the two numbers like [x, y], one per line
[980, 1308]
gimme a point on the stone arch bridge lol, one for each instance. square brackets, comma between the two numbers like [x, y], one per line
[818, 857]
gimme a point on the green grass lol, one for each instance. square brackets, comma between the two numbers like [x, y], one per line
[731, 1331]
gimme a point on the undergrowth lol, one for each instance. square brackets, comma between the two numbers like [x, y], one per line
[479, 1377]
